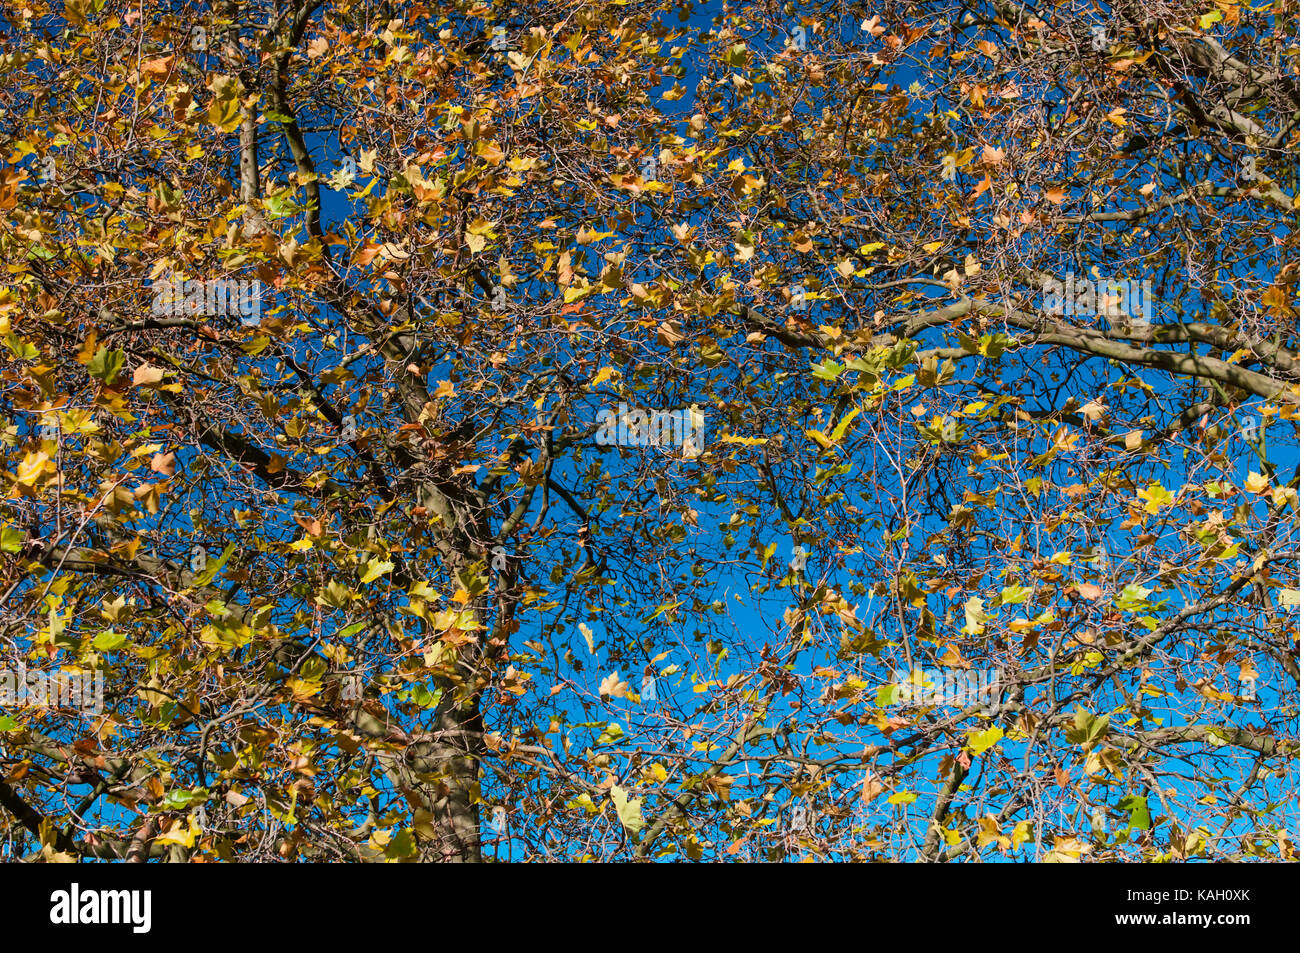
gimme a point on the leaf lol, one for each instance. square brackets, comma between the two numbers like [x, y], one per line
[146, 375]
[823, 441]
[1139, 814]
[180, 834]
[1022, 833]
[612, 733]
[669, 333]
[975, 616]
[108, 640]
[1090, 592]
[11, 540]
[224, 110]
[105, 365]
[1156, 497]
[178, 799]
[33, 468]
[838, 433]
[374, 569]
[1014, 595]
[981, 741]
[1133, 598]
[612, 686]
[158, 68]
[212, 567]
[629, 810]
[1088, 729]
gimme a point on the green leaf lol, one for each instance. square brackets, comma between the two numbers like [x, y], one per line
[11, 540]
[179, 798]
[1013, 595]
[348, 631]
[828, 371]
[401, 846]
[108, 640]
[335, 594]
[212, 568]
[105, 365]
[1133, 598]
[1139, 815]
[1088, 729]
[23, 350]
[838, 433]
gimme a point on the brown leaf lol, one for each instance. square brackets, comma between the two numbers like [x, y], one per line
[160, 67]
[670, 332]
[311, 526]
[146, 375]
[952, 658]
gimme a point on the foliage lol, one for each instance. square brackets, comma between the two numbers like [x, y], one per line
[363, 584]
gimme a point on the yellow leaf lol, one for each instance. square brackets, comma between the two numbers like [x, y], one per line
[975, 616]
[181, 835]
[1156, 497]
[374, 569]
[224, 110]
[981, 741]
[822, 440]
[33, 467]
[629, 810]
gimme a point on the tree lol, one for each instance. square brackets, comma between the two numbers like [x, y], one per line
[543, 431]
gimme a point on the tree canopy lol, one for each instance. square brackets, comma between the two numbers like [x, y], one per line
[740, 431]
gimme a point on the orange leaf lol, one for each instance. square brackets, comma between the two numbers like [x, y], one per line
[160, 67]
